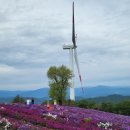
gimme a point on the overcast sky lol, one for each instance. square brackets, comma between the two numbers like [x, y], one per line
[32, 33]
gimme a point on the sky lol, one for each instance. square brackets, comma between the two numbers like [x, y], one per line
[33, 32]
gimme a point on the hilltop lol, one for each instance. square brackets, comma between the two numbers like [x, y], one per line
[88, 92]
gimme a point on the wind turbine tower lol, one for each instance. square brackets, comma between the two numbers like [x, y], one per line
[72, 56]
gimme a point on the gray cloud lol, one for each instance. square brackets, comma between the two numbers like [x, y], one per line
[32, 34]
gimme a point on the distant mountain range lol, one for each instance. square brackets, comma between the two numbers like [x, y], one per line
[98, 94]
[39, 93]
[91, 92]
[88, 92]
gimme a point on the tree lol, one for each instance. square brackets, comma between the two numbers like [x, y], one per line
[85, 103]
[123, 107]
[59, 82]
[18, 99]
[107, 106]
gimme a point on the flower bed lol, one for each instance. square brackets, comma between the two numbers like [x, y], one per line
[38, 117]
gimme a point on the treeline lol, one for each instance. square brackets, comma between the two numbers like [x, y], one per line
[122, 107]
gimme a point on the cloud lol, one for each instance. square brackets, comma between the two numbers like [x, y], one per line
[4, 69]
[32, 34]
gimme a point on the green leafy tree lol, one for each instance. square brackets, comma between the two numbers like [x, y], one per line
[107, 106]
[18, 99]
[58, 82]
[85, 103]
[123, 107]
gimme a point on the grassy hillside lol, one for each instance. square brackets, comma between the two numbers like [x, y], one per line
[115, 98]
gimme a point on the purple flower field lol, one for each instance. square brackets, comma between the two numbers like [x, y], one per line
[38, 117]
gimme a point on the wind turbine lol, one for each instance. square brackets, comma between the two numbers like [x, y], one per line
[72, 56]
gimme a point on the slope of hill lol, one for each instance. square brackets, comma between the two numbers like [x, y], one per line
[88, 92]
[39, 117]
[39, 93]
[115, 98]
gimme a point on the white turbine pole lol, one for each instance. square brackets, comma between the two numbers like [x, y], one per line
[71, 66]
[72, 94]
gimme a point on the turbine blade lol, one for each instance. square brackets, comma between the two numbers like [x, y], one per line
[73, 28]
[77, 64]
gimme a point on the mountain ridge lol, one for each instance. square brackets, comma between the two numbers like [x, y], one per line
[88, 92]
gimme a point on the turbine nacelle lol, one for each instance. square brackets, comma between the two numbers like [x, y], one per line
[69, 47]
